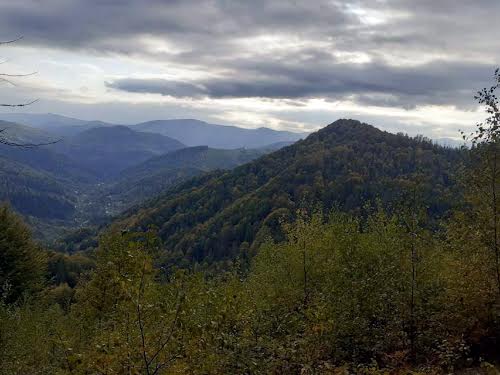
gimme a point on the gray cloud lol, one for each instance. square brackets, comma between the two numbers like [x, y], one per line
[204, 28]
[439, 82]
[108, 25]
[158, 86]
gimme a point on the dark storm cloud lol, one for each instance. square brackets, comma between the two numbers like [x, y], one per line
[203, 27]
[97, 24]
[380, 84]
[454, 38]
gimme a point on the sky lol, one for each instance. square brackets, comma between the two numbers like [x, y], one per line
[401, 65]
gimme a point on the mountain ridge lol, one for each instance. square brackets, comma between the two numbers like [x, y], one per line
[108, 150]
[195, 132]
[347, 163]
[144, 181]
[190, 132]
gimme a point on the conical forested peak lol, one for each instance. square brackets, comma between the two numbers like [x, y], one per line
[345, 122]
[348, 129]
[347, 125]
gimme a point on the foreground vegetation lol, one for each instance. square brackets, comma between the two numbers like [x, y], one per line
[341, 295]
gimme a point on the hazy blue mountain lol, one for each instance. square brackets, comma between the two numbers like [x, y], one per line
[96, 169]
[41, 120]
[47, 160]
[56, 125]
[43, 185]
[22, 134]
[43, 158]
[198, 133]
[66, 131]
[188, 131]
[275, 146]
[108, 150]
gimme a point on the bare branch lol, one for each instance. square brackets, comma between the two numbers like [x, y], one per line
[27, 145]
[6, 142]
[7, 81]
[11, 41]
[170, 334]
[18, 75]
[3, 140]
[19, 105]
[140, 319]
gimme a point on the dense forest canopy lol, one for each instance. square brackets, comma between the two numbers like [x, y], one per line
[347, 164]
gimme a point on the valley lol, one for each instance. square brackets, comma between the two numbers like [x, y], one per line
[94, 170]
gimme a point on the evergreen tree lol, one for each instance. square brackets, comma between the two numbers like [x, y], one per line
[22, 262]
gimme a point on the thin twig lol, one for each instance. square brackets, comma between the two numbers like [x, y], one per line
[19, 105]
[167, 339]
[139, 318]
[18, 75]
[6, 142]
[11, 41]
[7, 81]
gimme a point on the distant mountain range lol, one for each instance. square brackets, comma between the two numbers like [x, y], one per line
[106, 151]
[187, 131]
[58, 125]
[98, 170]
[196, 133]
[18, 133]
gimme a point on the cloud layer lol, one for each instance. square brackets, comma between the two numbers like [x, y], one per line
[379, 84]
[388, 54]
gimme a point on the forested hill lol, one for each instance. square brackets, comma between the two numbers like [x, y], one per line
[345, 164]
[108, 150]
[150, 178]
[199, 157]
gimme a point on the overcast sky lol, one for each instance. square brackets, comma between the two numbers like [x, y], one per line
[405, 65]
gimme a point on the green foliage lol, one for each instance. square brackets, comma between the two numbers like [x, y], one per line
[474, 235]
[339, 295]
[31, 339]
[341, 291]
[22, 262]
[127, 319]
[33, 192]
[68, 269]
[150, 178]
[345, 164]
